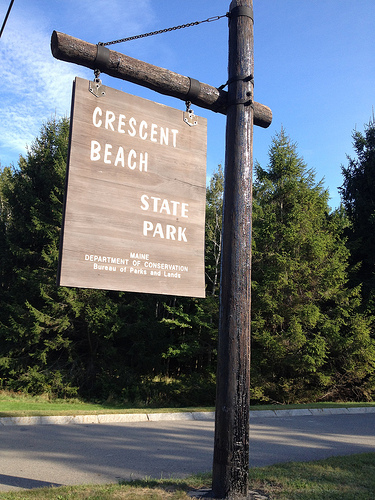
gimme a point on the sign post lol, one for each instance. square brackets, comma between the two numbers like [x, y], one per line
[231, 447]
[231, 451]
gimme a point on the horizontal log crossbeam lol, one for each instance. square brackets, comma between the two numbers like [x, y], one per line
[67, 48]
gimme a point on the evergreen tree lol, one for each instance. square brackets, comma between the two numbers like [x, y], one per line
[305, 321]
[358, 198]
[309, 339]
[193, 323]
[4, 250]
[214, 221]
[94, 343]
[44, 327]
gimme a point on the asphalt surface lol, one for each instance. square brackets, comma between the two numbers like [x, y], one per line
[33, 456]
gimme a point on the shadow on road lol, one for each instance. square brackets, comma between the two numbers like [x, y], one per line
[101, 453]
[24, 482]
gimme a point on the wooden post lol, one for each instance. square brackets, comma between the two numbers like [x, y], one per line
[164, 81]
[231, 451]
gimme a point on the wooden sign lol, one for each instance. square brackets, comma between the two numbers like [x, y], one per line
[134, 217]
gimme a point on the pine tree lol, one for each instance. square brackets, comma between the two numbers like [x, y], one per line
[51, 338]
[193, 323]
[358, 197]
[214, 220]
[95, 343]
[5, 273]
[303, 327]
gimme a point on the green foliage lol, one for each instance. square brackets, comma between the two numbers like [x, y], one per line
[309, 339]
[31, 333]
[190, 352]
[98, 344]
[214, 219]
[358, 198]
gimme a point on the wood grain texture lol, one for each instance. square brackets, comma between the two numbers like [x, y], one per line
[231, 445]
[135, 201]
[74, 50]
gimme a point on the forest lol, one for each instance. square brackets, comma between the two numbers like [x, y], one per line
[313, 300]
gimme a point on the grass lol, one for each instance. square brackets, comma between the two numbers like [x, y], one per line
[24, 405]
[341, 478]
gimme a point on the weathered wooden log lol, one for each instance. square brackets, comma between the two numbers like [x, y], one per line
[74, 50]
[231, 444]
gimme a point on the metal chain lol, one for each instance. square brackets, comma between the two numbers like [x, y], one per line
[144, 35]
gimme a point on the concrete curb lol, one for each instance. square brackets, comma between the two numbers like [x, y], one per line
[180, 416]
[311, 412]
[109, 418]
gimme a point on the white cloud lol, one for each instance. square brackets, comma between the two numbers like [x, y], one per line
[34, 85]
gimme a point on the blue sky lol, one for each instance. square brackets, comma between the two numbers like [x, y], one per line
[314, 67]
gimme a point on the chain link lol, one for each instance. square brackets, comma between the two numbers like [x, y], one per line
[166, 30]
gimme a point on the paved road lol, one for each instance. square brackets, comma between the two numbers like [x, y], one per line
[41, 455]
